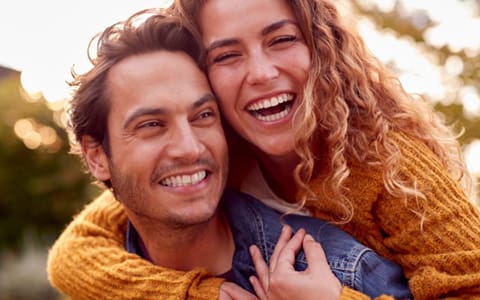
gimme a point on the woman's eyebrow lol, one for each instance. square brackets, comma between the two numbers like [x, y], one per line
[221, 43]
[233, 41]
[279, 24]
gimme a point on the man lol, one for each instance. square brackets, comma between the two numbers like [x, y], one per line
[148, 126]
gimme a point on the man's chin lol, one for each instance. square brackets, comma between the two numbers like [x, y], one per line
[192, 220]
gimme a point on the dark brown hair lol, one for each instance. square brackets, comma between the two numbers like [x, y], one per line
[146, 31]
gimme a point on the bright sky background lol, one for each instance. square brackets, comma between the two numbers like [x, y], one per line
[43, 39]
[45, 32]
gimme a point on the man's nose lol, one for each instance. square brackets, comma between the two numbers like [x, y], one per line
[261, 68]
[185, 144]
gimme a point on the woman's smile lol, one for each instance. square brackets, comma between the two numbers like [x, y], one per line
[258, 64]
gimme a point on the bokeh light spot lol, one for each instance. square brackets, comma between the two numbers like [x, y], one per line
[454, 65]
[32, 140]
[23, 127]
[472, 157]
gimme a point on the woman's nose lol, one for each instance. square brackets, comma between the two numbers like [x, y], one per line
[261, 69]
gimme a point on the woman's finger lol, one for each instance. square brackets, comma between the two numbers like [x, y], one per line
[282, 241]
[258, 288]
[314, 253]
[261, 267]
[318, 265]
[232, 291]
[286, 257]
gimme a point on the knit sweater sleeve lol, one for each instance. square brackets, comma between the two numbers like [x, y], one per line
[89, 261]
[351, 294]
[436, 238]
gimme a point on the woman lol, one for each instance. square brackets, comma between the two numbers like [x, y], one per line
[330, 130]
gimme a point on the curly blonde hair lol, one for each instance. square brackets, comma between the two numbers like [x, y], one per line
[351, 103]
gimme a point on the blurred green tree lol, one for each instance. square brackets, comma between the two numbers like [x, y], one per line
[414, 26]
[41, 188]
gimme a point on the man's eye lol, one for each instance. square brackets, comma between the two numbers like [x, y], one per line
[150, 124]
[206, 117]
[206, 114]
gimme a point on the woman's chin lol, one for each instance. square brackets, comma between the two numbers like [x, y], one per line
[277, 151]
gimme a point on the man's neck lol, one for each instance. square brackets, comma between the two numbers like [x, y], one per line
[209, 245]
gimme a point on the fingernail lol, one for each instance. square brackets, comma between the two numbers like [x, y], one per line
[308, 237]
[300, 231]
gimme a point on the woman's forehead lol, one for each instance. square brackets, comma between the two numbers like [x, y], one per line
[225, 17]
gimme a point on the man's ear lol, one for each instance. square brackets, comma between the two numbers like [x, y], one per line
[95, 157]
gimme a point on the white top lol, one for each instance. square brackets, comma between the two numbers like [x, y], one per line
[256, 185]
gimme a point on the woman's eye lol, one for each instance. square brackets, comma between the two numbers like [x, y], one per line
[284, 39]
[225, 57]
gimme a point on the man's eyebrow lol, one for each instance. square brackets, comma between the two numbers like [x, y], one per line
[161, 111]
[204, 99]
[232, 41]
[143, 112]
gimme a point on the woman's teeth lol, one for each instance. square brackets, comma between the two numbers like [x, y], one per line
[184, 180]
[274, 117]
[267, 103]
[273, 109]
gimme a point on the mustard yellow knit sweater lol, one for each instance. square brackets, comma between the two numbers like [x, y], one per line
[440, 255]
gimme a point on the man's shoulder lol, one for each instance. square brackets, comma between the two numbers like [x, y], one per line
[237, 200]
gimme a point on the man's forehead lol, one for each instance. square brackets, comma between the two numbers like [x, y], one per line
[158, 75]
[162, 62]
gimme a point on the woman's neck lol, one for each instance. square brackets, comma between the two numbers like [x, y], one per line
[279, 174]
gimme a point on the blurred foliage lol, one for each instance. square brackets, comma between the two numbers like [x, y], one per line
[42, 189]
[414, 26]
[39, 190]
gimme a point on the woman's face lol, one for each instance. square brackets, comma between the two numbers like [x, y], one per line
[258, 63]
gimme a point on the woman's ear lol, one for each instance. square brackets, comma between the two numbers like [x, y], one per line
[95, 157]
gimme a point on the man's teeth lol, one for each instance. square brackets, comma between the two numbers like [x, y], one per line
[184, 180]
[267, 103]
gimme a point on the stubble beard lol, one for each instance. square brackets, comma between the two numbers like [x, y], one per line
[128, 190]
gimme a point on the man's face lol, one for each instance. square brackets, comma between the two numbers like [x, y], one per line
[168, 152]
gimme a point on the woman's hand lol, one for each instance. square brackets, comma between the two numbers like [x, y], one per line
[281, 281]
[231, 291]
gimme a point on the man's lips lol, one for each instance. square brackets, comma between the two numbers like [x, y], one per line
[184, 179]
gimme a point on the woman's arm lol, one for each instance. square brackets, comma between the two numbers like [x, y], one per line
[435, 239]
[89, 261]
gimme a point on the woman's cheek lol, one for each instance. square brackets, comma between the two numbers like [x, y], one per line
[223, 85]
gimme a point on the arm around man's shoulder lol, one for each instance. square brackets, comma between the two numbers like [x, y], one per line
[89, 261]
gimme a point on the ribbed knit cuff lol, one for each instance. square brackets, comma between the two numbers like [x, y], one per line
[350, 294]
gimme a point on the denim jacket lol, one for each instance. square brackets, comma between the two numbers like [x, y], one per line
[251, 222]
